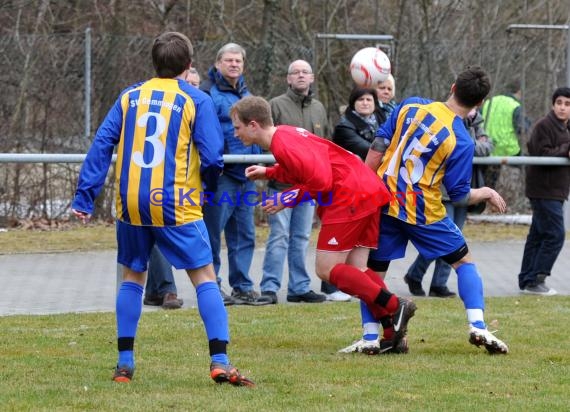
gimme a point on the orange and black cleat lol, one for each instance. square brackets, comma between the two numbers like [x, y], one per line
[221, 373]
[123, 374]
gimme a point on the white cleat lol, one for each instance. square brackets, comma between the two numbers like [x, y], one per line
[338, 296]
[493, 345]
[368, 347]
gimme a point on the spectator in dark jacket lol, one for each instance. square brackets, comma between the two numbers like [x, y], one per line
[547, 188]
[357, 127]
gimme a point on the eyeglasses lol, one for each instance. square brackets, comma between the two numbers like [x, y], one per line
[298, 72]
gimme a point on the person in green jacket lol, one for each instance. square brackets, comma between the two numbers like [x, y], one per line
[505, 124]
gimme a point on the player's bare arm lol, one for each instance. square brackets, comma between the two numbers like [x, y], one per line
[375, 154]
[486, 194]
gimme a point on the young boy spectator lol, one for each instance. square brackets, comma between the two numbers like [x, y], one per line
[547, 188]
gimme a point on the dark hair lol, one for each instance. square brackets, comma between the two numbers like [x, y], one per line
[358, 92]
[561, 91]
[472, 86]
[513, 86]
[171, 54]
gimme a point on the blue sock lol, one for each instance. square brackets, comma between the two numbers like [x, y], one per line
[128, 312]
[213, 312]
[367, 317]
[470, 286]
[479, 324]
[126, 358]
[220, 358]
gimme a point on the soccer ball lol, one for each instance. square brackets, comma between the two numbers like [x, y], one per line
[369, 66]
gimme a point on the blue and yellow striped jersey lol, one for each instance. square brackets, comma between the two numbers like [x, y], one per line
[168, 140]
[427, 144]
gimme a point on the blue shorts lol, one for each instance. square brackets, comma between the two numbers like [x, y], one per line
[185, 247]
[432, 241]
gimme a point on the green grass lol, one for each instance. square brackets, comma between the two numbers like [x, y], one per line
[64, 362]
[101, 236]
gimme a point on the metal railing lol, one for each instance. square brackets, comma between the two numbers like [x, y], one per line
[230, 158]
[79, 158]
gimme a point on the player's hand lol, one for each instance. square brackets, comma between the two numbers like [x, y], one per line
[496, 201]
[255, 172]
[83, 216]
[271, 208]
[273, 204]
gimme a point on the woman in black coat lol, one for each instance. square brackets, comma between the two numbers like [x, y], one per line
[362, 117]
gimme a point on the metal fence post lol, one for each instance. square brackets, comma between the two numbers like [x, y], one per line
[119, 276]
[87, 82]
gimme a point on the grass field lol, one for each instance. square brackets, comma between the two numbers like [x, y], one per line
[65, 362]
[101, 236]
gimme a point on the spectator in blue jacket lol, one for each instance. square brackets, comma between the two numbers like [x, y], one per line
[226, 211]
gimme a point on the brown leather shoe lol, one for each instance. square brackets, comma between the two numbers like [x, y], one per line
[153, 300]
[171, 301]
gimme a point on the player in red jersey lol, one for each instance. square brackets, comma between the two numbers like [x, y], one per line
[348, 195]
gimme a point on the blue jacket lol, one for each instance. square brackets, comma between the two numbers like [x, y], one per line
[224, 96]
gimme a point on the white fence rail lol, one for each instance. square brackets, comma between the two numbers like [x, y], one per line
[79, 158]
[267, 158]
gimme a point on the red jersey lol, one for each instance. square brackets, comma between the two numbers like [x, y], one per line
[340, 184]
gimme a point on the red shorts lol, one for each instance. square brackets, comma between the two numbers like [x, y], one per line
[343, 237]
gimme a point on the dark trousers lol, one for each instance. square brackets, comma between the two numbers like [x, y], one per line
[544, 241]
[160, 280]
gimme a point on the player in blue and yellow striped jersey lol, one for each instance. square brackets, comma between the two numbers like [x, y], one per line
[421, 146]
[169, 150]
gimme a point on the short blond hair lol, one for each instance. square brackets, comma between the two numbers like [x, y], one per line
[390, 79]
[253, 108]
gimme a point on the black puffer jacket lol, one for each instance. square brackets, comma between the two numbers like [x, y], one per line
[550, 137]
[354, 134]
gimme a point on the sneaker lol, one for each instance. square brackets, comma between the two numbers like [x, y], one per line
[441, 292]
[271, 295]
[249, 298]
[401, 317]
[338, 296]
[123, 373]
[221, 373]
[171, 301]
[227, 299]
[539, 289]
[368, 347]
[309, 297]
[493, 345]
[414, 286]
[387, 346]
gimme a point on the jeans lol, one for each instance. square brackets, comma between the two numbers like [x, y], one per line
[442, 270]
[232, 212]
[160, 279]
[289, 235]
[544, 241]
